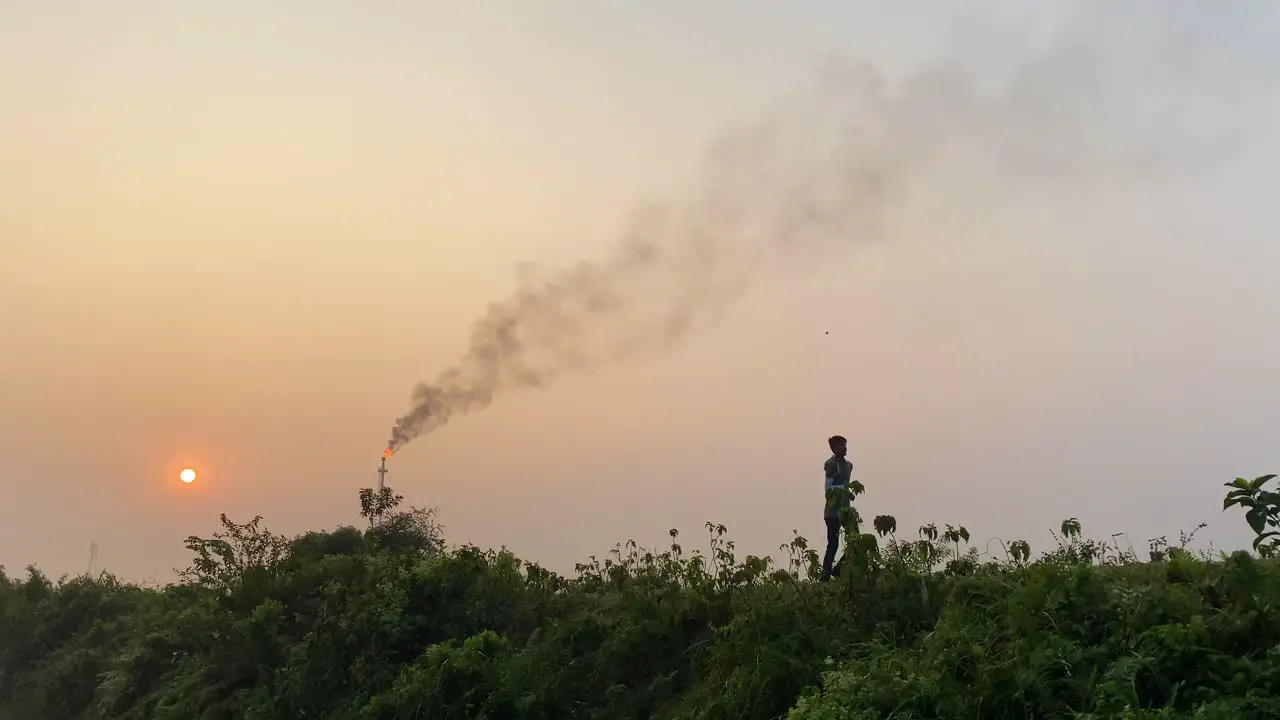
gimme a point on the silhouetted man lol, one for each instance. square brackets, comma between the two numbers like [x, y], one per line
[839, 499]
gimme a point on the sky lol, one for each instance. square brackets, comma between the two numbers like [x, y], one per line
[235, 235]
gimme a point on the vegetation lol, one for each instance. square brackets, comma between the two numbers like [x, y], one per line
[387, 622]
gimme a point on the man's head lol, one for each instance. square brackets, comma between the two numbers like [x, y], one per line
[838, 445]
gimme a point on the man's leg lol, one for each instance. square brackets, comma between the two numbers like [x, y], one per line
[833, 543]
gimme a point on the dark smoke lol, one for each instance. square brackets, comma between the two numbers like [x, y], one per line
[824, 171]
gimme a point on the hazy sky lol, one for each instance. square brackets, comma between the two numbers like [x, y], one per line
[234, 235]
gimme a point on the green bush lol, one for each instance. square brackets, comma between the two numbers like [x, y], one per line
[386, 622]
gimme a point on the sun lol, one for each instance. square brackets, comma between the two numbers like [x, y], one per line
[187, 476]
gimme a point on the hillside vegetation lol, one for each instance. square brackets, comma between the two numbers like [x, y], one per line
[386, 621]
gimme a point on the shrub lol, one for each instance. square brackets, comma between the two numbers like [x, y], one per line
[388, 622]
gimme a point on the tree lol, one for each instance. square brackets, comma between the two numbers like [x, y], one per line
[225, 560]
[416, 529]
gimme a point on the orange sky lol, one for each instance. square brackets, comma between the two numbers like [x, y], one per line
[235, 238]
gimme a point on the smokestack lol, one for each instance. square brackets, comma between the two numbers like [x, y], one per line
[382, 470]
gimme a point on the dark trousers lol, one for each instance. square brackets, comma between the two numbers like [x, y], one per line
[833, 544]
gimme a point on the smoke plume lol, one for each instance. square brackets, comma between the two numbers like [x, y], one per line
[824, 170]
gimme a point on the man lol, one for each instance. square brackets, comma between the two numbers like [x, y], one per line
[839, 499]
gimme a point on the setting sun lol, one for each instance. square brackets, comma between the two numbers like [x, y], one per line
[187, 475]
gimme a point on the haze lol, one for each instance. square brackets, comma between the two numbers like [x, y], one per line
[234, 236]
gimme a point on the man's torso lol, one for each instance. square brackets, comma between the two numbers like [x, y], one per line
[838, 472]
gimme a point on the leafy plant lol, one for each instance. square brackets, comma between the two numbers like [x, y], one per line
[387, 621]
[1262, 510]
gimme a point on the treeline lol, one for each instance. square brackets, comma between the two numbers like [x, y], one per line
[385, 621]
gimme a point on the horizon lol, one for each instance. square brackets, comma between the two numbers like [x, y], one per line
[241, 258]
